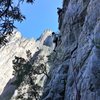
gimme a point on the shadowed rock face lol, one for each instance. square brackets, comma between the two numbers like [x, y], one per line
[44, 36]
[76, 63]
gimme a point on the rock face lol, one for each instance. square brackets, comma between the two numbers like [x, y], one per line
[75, 73]
[46, 38]
[17, 46]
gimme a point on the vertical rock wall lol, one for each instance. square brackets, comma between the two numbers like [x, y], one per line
[75, 71]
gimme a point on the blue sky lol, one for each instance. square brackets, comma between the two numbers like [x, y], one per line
[39, 16]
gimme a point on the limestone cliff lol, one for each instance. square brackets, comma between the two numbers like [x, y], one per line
[17, 46]
[73, 71]
[75, 74]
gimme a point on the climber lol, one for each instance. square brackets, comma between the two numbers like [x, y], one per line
[60, 16]
[56, 39]
[59, 11]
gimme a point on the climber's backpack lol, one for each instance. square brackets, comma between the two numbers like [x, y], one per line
[55, 38]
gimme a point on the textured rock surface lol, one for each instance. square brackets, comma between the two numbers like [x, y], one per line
[75, 73]
[17, 46]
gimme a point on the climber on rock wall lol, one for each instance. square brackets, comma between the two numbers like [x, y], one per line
[56, 39]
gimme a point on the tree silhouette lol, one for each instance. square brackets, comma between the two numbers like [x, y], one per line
[26, 70]
[9, 13]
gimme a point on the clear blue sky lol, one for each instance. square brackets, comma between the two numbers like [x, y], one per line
[39, 16]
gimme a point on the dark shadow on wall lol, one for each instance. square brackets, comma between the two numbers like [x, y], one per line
[9, 90]
[48, 41]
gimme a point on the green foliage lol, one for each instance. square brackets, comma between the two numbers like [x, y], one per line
[3, 41]
[9, 13]
[20, 68]
[26, 70]
[28, 54]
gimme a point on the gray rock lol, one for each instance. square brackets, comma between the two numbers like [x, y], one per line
[74, 69]
[80, 24]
